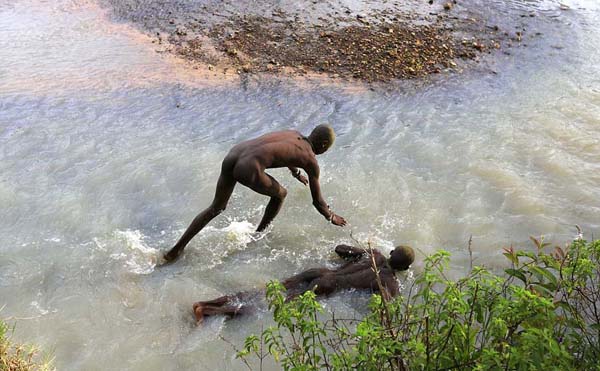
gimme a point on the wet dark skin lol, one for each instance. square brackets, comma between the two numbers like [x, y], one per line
[357, 273]
[246, 163]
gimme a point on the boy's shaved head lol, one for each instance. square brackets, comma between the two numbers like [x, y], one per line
[321, 138]
[402, 257]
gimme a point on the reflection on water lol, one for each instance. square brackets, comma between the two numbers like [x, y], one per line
[107, 151]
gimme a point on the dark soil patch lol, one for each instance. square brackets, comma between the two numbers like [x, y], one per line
[366, 52]
[372, 41]
[370, 48]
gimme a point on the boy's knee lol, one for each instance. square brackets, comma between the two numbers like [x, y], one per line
[282, 193]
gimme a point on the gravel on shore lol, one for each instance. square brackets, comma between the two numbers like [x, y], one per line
[379, 45]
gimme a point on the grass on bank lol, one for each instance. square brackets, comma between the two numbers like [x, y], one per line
[18, 357]
[542, 313]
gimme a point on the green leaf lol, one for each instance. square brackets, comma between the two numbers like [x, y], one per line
[542, 290]
[516, 273]
[542, 273]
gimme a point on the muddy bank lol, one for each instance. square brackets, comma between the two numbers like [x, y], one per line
[368, 41]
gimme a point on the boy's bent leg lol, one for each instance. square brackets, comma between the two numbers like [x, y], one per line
[250, 174]
[266, 185]
[271, 211]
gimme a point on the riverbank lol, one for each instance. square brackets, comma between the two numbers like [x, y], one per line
[377, 43]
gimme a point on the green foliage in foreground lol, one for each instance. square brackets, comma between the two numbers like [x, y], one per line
[15, 357]
[542, 313]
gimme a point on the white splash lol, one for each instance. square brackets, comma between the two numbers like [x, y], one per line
[240, 232]
[214, 244]
[236, 233]
[143, 258]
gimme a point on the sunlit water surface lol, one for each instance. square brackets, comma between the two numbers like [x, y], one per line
[108, 150]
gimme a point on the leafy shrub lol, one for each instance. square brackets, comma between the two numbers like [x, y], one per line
[542, 313]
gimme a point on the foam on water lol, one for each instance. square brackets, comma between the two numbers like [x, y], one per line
[131, 249]
[143, 259]
[239, 233]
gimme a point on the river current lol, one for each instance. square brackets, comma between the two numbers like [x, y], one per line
[109, 149]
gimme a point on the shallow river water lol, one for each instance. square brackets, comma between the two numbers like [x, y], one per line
[108, 150]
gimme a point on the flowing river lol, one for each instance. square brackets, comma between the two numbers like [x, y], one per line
[108, 150]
